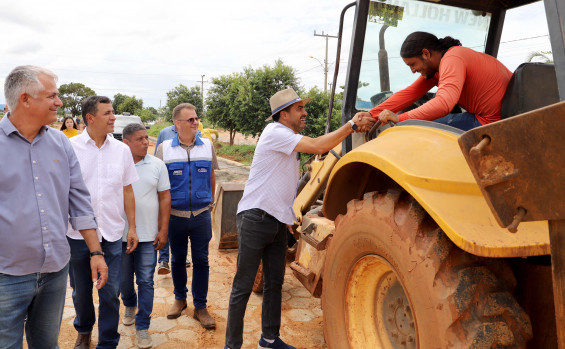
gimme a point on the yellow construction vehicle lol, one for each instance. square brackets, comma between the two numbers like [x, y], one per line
[395, 234]
[208, 132]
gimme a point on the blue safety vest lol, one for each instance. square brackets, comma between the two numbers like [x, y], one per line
[191, 187]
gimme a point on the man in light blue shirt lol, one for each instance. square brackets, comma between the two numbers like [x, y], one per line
[42, 190]
[169, 132]
[152, 211]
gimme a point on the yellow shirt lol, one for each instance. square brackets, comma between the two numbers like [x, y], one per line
[70, 133]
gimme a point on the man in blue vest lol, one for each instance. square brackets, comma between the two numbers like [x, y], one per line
[169, 132]
[191, 162]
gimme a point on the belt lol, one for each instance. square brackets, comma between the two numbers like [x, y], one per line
[264, 213]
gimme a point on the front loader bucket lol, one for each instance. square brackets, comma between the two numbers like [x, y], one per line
[224, 227]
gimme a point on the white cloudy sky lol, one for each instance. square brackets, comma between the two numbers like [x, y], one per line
[146, 48]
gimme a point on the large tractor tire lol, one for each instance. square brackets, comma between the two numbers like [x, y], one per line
[392, 279]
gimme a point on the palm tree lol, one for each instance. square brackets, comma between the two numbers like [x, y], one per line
[541, 56]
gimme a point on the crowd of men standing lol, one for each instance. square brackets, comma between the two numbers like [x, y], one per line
[95, 209]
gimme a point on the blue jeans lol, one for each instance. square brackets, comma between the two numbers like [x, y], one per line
[40, 298]
[199, 230]
[260, 237]
[108, 296]
[462, 121]
[164, 252]
[142, 262]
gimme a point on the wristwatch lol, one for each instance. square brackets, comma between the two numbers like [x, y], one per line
[96, 253]
[353, 125]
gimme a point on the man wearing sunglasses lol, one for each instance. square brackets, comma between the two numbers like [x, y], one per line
[191, 162]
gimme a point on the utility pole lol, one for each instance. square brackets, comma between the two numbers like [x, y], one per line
[325, 60]
[202, 91]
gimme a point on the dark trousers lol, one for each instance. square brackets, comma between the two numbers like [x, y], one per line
[108, 296]
[199, 230]
[164, 252]
[260, 237]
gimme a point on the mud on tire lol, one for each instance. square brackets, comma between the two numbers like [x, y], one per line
[393, 279]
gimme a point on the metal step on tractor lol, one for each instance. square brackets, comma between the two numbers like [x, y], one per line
[396, 236]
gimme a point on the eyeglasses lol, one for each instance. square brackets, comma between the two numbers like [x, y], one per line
[191, 120]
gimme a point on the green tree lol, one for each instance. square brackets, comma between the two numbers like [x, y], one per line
[162, 111]
[317, 110]
[147, 114]
[222, 102]
[72, 95]
[118, 99]
[153, 111]
[130, 105]
[255, 91]
[183, 94]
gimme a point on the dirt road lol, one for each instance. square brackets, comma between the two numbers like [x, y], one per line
[301, 313]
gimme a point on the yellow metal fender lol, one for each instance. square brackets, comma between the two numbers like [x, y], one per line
[428, 163]
[320, 170]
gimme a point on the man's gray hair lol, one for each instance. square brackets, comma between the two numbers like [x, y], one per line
[24, 79]
[131, 129]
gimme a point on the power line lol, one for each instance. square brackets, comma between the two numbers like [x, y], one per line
[522, 39]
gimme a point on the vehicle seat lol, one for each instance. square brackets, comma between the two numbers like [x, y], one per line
[532, 86]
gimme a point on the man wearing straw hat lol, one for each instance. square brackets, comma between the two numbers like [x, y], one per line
[265, 210]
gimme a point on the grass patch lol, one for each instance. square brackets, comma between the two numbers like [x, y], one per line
[157, 127]
[241, 153]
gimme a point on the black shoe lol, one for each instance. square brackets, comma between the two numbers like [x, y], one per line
[277, 344]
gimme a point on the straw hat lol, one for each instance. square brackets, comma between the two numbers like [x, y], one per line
[283, 99]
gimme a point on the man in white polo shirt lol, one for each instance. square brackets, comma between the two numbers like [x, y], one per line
[152, 210]
[108, 171]
[265, 210]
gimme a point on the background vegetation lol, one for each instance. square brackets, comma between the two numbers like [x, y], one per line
[238, 102]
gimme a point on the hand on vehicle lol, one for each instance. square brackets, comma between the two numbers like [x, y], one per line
[99, 271]
[132, 241]
[364, 121]
[386, 115]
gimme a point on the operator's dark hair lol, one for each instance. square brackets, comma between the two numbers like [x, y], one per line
[417, 41]
[277, 116]
[132, 128]
[90, 105]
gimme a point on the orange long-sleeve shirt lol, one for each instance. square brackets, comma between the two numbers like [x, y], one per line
[474, 80]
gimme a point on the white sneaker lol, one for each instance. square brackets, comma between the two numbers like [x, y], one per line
[143, 339]
[129, 316]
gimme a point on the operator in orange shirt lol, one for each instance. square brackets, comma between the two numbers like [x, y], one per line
[474, 80]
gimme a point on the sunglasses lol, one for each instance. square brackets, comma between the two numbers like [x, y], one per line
[191, 120]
